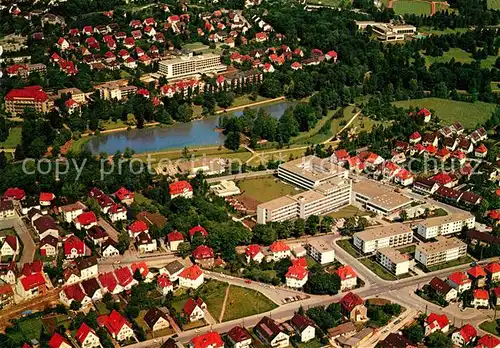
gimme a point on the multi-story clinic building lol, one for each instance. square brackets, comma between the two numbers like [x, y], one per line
[444, 250]
[190, 65]
[373, 239]
[32, 97]
[393, 261]
[445, 225]
[328, 187]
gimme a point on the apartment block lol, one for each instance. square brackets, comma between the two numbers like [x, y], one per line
[32, 97]
[445, 225]
[394, 235]
[321, 251]
[190, 65]
[444, 250]
[393, 261]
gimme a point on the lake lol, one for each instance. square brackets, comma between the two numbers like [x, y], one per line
[192, 134]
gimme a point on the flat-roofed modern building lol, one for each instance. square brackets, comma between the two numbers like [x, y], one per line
[310, 172]
[378, 198]
[443, 250]
[190, 65]
[394, 235]
[445, 225]
[388, 31]
[393, 261]
[321, 251]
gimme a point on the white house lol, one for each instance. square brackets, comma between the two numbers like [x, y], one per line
[145, 244]
[117, 212]
[480, 298]
[464, 336]
[240, 337]
[109, 249]
[436, 322]
[119, 328]
[278, 250]
[271, 333]
[87, 338]
[88, 267]
[164, 284]
[304, 327]
[174, 238]
[71, 211]
[156, 319]
[459, 281]
[296, 277]
[254, 253]
[191, 277]
[10, 246]
[348, 278]
[194, 309]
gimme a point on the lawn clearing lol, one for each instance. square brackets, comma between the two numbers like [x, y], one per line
[107, 125]
[139, 198]
[213, 293]
[378, 269]
[243, 302]
[347, 245]
[493, 4]
[13, 139]
[329, 3]
[470, 115]
[489, 326]
[412, 7]
[460, 56]
[461, 261]
[283, 154]
[264, 189]
[346, 212]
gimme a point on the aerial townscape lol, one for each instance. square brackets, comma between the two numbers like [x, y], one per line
[249, 173]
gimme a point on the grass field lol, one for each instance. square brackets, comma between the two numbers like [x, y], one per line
[346, 212]
[377, 269]
[264, 189]
[412, 7]
[106, 125]
[461, 261]
[493, 4]
[460, 56]
[213, 293]
[243, 302]
[283, 154]
[197, 153]
[346, 244]
[489, 326]
[430, 30]
[330, 3]
[449, 111]
[13, 139]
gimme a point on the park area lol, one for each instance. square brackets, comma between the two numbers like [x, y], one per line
[412, 7]
[460, 56]
[493, 4]
[470, 115]
[13, 139]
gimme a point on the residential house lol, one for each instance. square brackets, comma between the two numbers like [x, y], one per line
[194, 310]
[480, 298]
[10, 246]
[459, 281]
[117, 212]
[191, 277]
[210, 339]
[87, 337]
[88, 267]
[465, 336]
[144, 243]
[7, 272]
[174, 238]
[425, 186]
[31, 286]
[71, 211]
[488, 341]
[353, 307]
[109, 283]
[48, 246]
[92, 289]
[46, 226]
[278, 250]
[136, 228]
[97, 235]
[58, 341]
[156, 319]
[164, 284]
[395, 340]
[181, 189]
[173, 270]
[271, 334]
[436, 322]
[204, 256]
[72, 293]
[119, 328]
[493, 271]
[253, 253]
[304, 327]
[125, 278]
[239, 337]
[6, 295]
[85, 220]
[296, 277]
[443, 289]
[74, 247]
[197, 230]
[7, 210]
[478, 276]
[348, 277]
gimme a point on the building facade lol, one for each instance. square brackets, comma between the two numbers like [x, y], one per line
[395, 235]
[443, 250]
[185, 66]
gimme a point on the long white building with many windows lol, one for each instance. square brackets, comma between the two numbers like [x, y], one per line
[445, 225]
[393, 261]
[190, 65]
[444, 250]
[329, 188]
[394, 235]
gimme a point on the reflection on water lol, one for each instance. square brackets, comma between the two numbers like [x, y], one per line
[196, 133]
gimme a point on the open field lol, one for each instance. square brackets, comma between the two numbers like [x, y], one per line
[329, 3]
[264, 189]
[13, 139]
[493, 4]
[213, 293]
[283, 154]
[449, 111]
[106, 125]
[460, 56]
[346, 212]
[430, 30]
[489, 326]
[412, 7]
[243, 302]
[196, 153]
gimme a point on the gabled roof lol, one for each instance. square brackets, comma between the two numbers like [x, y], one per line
[238, 334]
[153, 315]
[163, 281]
[86, 262]
[191, 305]
[179, 187]
[57, 340]
[480, 294]
[440, 286]
[83, 332]
[346, 272]
[252, 250]
[124, 276]
[459, 278]
[138, 226]
[278, 246]
[86, 218]
[74, 292]
[114, 322]
[296, 272]
[175, 236]
[268, 328]
[90, 286]
[211, 339]
[350, 301]
[468, 332]
[73, 242]
[301, 322]
[441, 320]
[193, 272]
[476, 272]
[488, 341]
[32, 281]
[108, 281]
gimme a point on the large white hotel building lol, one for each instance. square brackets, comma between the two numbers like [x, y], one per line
[190, 65]
[328, 185]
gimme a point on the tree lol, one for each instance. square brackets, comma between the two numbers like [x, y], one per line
[232, 141]
[415, 333]
[184, 249]
[439, 340]
[123, 242]
[312, 224]
[403, 215]
[75, 305]
[323, 283]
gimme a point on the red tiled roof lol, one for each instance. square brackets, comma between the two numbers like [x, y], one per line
[492, 267]
[442, 320]
[341, 154]
[179, 187]
[203, 252]
[296, 272]
[175, 236]
[83, 332]
[86, 218]
[14, 193]
[124, 276]
[301, 261]
[346, 272]
[252, 250]
[142, 267]
[459, 278]
[73, 242]
[114, 322]
[488, 341]
[481, 294]
[350, 300]
[191, 304]
[481, 149]
[331, 53]
[108, 281]
[238, 334]
[74, 292]
[57, 340]
[198, 229]
[138, 226]
[46, 196]
[210, 339]
[468, 332]
[415, 136]
[32, 281]
[278, 246]
[476, 272]
[164, 281]
[424, 112]
[442, 178]
[193, 272]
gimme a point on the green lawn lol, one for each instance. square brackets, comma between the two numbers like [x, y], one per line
[461, 261]
[13, 139]
[264, 189]
[489, 326]
[213, 293]
[442, 32]
[346, 212]
[460, 56]
[412, 7]
[408, 250]
[107, 125]
[494, 4]
[450, 111]
[139, 198]
[346, 244]
[195, 46]
[31, 328]
[378, 269]
[209, 152]
[243, 302]
[315, 343]
[78, 145]
[330, 3]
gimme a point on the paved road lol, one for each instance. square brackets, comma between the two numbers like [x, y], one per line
[110, 230]
[29, 246]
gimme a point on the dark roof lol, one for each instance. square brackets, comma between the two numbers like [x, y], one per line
[97, 232]
[29, 202]
[424, 182]
[350, 301]
[32, 212]
[483, 237]
[267, 328]
[430, 137]
[8, 205]
[107, 243]
[174, 267]
[301, 322]
[87, 262]
[152, 219]
[153, 315]
[238, 334]
[143, 238]
[447, 192]
[90, 286]
[471, 197]
[45, 223]
[170, 343]
[395, 341]
[50, 240]
[439, 285]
